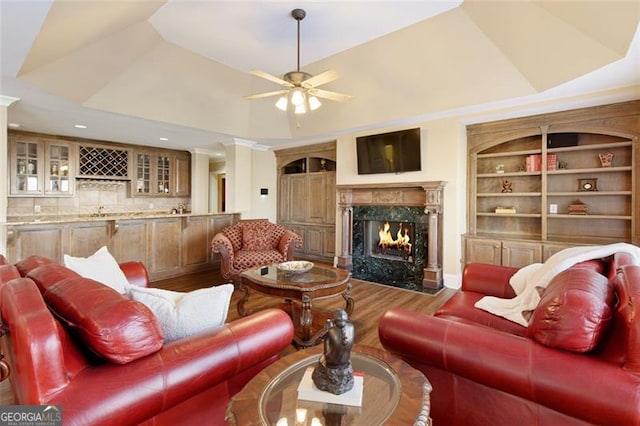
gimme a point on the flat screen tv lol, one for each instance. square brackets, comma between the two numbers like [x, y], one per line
[392, 152]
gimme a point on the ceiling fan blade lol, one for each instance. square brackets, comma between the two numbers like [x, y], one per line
[320, 79]
[267, 94]
[332, 96]
[270, 77]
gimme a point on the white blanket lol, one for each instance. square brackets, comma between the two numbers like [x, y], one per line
[525, 281]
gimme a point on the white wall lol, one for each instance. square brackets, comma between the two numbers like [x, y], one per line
[199, 182]
[247, 171]
[264, 175]
[238, 178]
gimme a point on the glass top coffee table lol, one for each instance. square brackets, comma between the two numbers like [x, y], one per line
[299, 290]
[394, 393]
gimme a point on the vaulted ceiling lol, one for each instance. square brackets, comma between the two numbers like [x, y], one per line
[139, 70]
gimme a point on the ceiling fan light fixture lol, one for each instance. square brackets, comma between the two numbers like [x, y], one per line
[314, 103]
[282, 103]
[297, 97]
[300, 92]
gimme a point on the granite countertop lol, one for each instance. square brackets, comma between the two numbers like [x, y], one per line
[30, 220]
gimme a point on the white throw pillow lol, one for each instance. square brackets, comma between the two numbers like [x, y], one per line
[100, 266]
[183, 314]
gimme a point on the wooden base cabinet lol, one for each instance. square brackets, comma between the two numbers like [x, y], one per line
[542, 183]
[169, 246]
[165, 246]
[319, 242]
[501, 252]
[128, 241]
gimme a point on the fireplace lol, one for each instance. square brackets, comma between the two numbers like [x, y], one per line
[389, 245]
[393, 240]
[392, 233]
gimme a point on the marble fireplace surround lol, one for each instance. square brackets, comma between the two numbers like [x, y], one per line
[427, 195]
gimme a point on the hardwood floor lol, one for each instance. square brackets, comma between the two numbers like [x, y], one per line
[371, 301]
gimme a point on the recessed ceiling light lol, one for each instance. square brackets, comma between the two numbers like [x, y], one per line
[164, 139]
[80, 126]
[14, 125]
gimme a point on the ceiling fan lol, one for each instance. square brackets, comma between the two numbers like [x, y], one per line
[300, 88]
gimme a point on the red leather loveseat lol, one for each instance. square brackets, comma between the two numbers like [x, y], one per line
[576, 363]
[187, 381]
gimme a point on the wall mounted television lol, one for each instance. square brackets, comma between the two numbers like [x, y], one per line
[392, 152]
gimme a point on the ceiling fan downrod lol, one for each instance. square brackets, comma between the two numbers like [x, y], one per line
[298, 15]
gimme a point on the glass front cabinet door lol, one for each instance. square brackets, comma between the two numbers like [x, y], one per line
[57, 172]
[143, 174]
[164, 174]
[26, 168]
[40, 168]
[153, 174]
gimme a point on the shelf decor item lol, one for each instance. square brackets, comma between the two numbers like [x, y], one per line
[507, 187]
[578, 207]
[500, 168]
[589, 184]
[505, 210]
[606, 158]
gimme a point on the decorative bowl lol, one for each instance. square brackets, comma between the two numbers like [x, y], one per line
[295, 266]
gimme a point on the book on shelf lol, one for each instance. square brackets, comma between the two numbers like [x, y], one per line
[308, 391]
[533, 163]
[505, 210]
[552, 161]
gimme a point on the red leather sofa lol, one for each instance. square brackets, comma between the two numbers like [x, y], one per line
[569, 366]
[188, 381]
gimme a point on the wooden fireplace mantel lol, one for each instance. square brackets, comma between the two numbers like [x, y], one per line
[413, 194]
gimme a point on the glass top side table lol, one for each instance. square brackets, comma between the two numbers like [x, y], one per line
[394, 393]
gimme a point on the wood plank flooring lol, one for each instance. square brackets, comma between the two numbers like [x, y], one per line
[371, 301]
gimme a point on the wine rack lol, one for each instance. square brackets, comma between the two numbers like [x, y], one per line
[103, 162]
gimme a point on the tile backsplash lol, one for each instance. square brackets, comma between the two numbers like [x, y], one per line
[112, 196]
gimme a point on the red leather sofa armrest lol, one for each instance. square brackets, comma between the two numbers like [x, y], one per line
[627, 283]
[8, 273]
[487, 279]
[35, 353]
[576, 384]
[136, 273]
[134, 392]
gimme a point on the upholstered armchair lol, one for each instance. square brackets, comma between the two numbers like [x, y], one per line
[253, 242]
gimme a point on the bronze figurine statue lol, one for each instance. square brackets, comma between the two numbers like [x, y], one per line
[334, 372]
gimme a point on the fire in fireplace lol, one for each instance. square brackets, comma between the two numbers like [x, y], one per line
[393, 240]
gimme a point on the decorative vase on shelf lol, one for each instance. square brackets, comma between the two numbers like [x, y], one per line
[606, 159]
